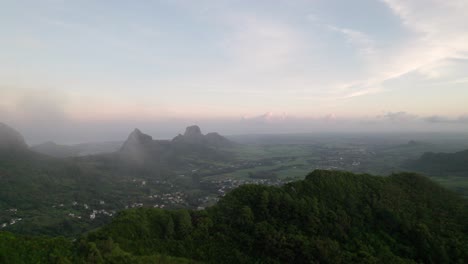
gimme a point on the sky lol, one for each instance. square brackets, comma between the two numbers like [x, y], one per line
[73, 71]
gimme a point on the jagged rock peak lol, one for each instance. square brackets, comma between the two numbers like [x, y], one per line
[193, 131]
[10, 138]
[193, 135]
[136, 131]
[138, 135]
[136, 138]
[138, 148]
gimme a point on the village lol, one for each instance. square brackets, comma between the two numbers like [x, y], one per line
[213, 181]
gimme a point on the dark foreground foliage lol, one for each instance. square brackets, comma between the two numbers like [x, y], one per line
[330, 217]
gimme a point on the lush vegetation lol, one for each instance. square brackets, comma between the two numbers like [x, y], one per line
[449, 169]
[24, 249]
[41, 195]
[41, 191]
[330, 217]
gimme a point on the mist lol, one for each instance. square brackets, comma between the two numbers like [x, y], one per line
[68, 131]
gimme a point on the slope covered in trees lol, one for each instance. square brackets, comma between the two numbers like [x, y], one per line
[43, 195]
[330, 217]
[442, 164]
[34, 187]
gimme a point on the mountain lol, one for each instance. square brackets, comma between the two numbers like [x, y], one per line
[38, 192]
[55, 150]
[11, 140]
[193, 135]
[141, 149]
[48, 194]
[330, 217]
[441, 164]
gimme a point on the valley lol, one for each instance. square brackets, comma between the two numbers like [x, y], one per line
[83, 193]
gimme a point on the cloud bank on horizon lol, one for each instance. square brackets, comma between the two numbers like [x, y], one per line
[321, 65]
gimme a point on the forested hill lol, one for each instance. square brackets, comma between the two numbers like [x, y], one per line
[442, 164]
[330, 217]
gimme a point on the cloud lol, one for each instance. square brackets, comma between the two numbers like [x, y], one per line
[397, 117]
[223, 56]
[438, 32]
[441, 26]
[27, 105]
[441, 119]
[268, 117]
[363, 42]
[40, 108]
[359, 90]
[3, 112]
[262, 44]
[448, 17]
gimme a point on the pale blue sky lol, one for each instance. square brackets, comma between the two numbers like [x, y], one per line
[147, 61]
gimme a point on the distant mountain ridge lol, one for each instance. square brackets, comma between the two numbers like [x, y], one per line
[140, 148]
[193, 135]
[441, 164]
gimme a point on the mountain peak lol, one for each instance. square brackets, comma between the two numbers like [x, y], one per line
[136, 131]
[139, 148]
[193, 134]
[191, 131]
[10, 139]
[137, 138]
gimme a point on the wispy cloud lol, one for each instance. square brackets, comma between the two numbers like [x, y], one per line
[442, 30]
[213, 57]
[262, 44]
[362, 41]
[441, 119]
[397, 116]
[439, 32]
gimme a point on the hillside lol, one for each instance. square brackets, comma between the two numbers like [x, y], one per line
[39, 194]
[449, 169]
[330, 217]
[11, 141]
[440, 164]
[43, 195]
